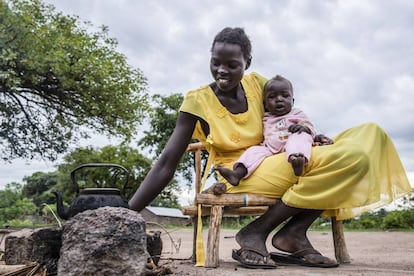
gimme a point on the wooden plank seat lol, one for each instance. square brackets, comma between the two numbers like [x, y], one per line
[215, 206]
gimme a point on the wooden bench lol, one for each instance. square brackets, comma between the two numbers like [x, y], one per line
[238, 204]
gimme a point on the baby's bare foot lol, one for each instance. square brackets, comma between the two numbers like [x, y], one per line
[229, 175]
[219, 188]
[216, 189]
[298, 161]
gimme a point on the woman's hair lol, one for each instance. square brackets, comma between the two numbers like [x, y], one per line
[277, 78]
[235, 36]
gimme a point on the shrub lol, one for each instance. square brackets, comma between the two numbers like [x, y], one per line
[403, 219]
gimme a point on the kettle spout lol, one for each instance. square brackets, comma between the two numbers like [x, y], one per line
[62, 210]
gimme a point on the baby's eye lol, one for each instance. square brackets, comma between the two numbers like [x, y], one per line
[214, 63]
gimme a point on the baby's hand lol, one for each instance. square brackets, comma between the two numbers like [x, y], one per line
[299, 129]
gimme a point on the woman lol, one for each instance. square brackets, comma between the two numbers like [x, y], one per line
[357, 173]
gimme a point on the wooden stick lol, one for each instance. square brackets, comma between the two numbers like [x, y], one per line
[341, 252]
[195, 146]
[212, 256]
[237, 211]
[235, 200]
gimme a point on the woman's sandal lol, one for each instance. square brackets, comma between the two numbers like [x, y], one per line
[299, 258]
[266, 262]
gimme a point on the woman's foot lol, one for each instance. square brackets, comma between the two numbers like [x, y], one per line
[301, 247]
[303, 258]
[253, 248]
[231, 176]
[298, 162]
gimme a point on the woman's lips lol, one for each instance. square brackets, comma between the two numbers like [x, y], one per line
[222, 81]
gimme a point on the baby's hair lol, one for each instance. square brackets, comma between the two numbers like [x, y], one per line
[235, 36]
[278, 78]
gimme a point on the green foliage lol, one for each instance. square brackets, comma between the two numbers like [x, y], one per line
[162, 115]
[38, 188]
[10, 194]
[13, 205]
[399, 219]
[59, 82]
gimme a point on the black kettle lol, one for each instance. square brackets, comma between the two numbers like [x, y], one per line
[92, 198]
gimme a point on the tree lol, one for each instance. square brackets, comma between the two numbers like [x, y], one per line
[13, 205]
[162, 116]
[38, 187]
[59, 82]
[136, 164]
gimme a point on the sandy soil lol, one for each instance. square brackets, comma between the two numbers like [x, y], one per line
[372, 253]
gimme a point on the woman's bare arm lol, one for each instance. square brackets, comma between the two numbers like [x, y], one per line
[163, 170]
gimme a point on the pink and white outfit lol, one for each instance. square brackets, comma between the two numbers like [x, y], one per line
[277, 139]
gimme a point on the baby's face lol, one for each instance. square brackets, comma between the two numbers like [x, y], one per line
[278, 98]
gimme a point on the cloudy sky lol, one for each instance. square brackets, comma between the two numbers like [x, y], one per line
[350, 61]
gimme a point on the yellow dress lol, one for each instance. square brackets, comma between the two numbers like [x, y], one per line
[361, 171]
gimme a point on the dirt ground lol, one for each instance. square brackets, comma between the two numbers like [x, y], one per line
[372, 253]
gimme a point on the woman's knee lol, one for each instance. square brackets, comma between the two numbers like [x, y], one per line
[356, 157]
[374, 126]
[375, 129]
[345, 154]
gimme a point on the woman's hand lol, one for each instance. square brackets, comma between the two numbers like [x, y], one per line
[322, 140]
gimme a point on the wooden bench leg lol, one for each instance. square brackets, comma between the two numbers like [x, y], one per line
[341, 252]
[212, 254]
[194, 220]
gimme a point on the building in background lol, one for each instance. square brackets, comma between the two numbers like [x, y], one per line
[165, 216]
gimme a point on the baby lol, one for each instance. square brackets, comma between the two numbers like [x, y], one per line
[285, 129]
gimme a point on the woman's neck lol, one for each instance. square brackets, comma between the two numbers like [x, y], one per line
[234, 100]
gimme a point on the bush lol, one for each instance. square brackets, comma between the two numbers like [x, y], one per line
[399, 219]
[403, 219]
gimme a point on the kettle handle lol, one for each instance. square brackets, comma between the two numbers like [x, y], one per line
[100, 165]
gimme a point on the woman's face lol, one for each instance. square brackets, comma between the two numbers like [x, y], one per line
[227, 65]
[278, 98]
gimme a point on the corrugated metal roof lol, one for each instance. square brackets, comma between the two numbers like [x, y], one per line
[166, 212]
